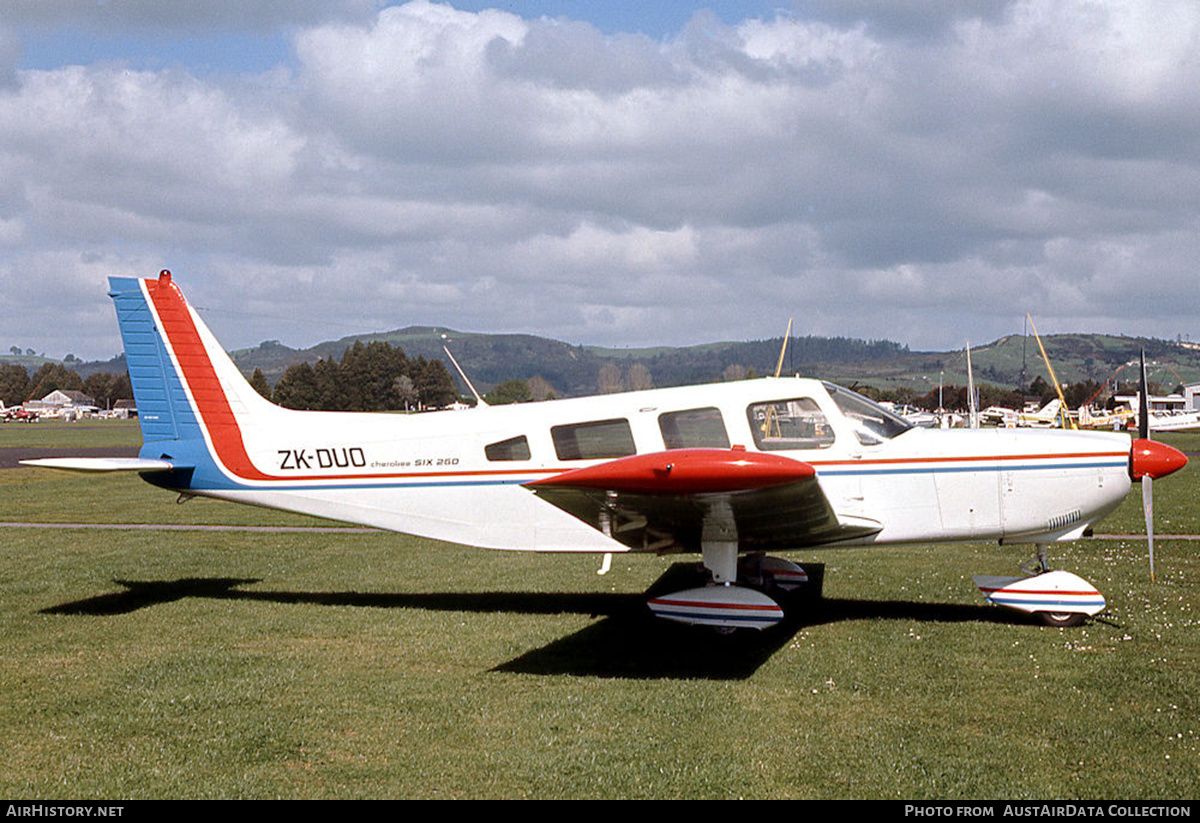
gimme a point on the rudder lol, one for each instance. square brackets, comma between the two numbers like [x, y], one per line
[164, 411]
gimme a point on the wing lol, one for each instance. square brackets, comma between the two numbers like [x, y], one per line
[664, 501]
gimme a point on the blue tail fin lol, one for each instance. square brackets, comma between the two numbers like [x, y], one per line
[163, 408]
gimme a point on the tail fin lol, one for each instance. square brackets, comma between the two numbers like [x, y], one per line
[188, 392]
[164, 411]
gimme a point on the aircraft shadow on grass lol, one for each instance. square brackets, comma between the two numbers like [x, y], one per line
[628, 642]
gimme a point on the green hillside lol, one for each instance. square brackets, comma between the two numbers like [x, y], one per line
[885, 366]
[1008, 363]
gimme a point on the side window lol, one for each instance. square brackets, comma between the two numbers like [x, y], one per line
[790, 424]
[694, 428]
[599, 438]
[515, 448]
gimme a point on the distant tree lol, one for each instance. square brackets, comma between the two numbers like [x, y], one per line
[734, 371]
[639, 377]
[540, 388]
[510, 391]
[14, 384]
[368, 373]
[610, 379]
[98, 386]
[434, 384]
[107, 388]
[990, 395]
[54, 377]
[122, 388]
[297, 388]
[370, 377]
[16, 350]
[1079, 393]
[258, 381]
[1040, 388]
[328, 391]
[406, 391]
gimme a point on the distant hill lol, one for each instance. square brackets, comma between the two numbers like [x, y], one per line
[573, 370]
[489, 359]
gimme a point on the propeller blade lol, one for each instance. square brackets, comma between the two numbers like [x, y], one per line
[1147, 480]
[1148, 510]
[1149, 459]
[1143, 402]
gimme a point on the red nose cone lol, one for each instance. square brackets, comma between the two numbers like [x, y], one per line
[1154, 460]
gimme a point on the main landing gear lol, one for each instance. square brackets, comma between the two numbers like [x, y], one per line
[1057, 598]
[741, 595]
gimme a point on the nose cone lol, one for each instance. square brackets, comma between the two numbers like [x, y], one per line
[1152, 459]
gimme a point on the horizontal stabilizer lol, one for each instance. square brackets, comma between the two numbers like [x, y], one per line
[102, 464]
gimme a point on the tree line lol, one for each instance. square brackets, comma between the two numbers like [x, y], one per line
[17, 385]
[373, 376]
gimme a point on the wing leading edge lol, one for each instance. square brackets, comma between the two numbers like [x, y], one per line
[664, 501]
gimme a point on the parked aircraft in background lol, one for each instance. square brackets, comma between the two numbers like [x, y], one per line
[1174, 421]
[730, 470]
[1113, 420]
[20, 415]
[1047, 417]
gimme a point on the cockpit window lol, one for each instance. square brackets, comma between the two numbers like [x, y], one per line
[789, 424]
[873, 424]
[693, 428]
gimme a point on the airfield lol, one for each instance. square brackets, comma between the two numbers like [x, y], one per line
[244, 653]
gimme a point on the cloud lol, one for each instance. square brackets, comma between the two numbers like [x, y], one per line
[923, 172]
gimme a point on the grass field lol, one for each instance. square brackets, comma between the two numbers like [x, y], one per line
[181, 664]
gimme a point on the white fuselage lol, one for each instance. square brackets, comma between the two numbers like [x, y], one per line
[458, 475]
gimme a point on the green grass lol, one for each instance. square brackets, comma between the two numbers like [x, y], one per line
[231, 664]
[98, 434]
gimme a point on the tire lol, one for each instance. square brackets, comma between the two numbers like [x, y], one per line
[1062, 620]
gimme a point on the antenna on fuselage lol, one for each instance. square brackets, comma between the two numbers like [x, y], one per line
[786, 336]
[478, 399]
[972, 398]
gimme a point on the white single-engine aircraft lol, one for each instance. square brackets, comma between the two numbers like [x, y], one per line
[729, 470]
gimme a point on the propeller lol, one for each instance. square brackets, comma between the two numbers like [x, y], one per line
[1149, 460]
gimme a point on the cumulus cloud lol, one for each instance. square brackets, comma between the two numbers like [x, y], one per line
[925, 172]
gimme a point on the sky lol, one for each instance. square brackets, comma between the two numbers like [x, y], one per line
[610, 173]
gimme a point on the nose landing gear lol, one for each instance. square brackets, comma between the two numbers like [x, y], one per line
[1058, 598]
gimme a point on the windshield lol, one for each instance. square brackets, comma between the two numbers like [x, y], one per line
[873, 424]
